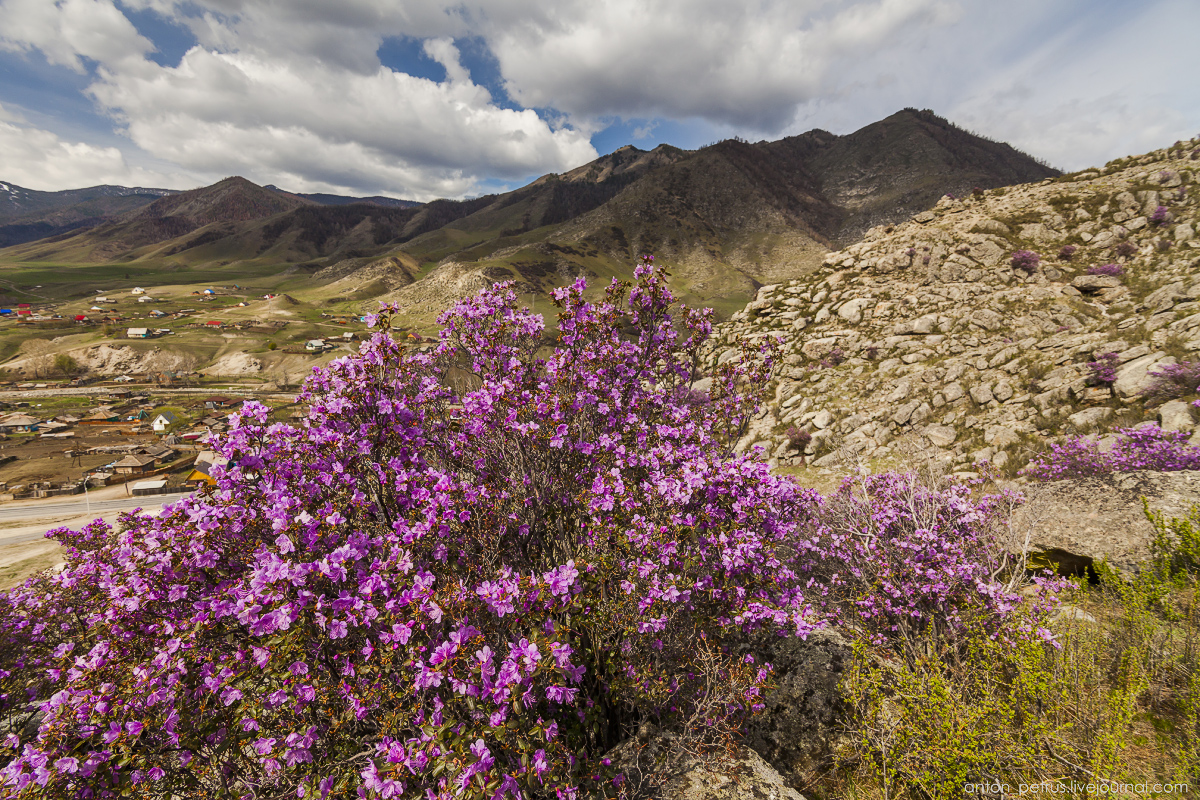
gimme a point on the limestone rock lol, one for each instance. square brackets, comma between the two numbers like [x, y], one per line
[1102, 517]
[940, 435]
[1134, 377]
[1094, 283]
[1176, 415]
[1089, 417]
[982, 394]
[659, 764]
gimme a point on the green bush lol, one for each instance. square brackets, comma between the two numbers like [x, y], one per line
[1116, 697]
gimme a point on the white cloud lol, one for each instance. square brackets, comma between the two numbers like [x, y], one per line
[39, 159]
[312, 126]
[67, 30]
[749, 65]
[293, 91]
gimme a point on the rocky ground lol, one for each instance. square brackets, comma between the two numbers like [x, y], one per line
[925, 331]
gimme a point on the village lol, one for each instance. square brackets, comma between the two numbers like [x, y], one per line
[149, 442]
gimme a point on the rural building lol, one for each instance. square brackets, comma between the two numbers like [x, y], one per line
[149, 487]
[146, 299]
[101, 416]
[19, 422]
[314, 345]
[138, 333]
[134, 465]
[164, 420]
[201, 474]
[138, 290]
[159, 453]
[218, 402]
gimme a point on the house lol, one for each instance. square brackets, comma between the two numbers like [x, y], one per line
[201, 474]
[146, 299]
[138, 333]
[149, 487]
[138, 290]
[164, 420]
[23, 310]
[101, 416]
[213, 324]
[159, 453]
[19, 422]
[134, 465]
[314, 345]
[157, 313]
[99, 300]
[218, 402]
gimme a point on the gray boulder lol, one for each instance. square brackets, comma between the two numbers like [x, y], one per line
[798, 729]
[1176, 415]
[655, 764]
[1086, 519]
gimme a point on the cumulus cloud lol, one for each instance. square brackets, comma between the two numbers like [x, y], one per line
[312, 126]
[68, 30]
[39, 159]
[748, 65]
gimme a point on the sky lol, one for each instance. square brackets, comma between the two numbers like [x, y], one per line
[422, 99]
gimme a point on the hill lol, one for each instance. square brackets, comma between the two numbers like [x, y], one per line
[935, 335]
[726, 218]
[27, 214]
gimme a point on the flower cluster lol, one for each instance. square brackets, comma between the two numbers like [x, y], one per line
[901, 557]
[417, 591]
[1143, 448]
[1111, 270]
[1067, 252]
[1103, 371]
[1172, 381]
[1160, 217]
[1026, 260]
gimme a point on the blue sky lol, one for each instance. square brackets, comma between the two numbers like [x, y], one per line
[426, 98]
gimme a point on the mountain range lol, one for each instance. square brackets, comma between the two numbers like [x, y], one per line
[725, 218]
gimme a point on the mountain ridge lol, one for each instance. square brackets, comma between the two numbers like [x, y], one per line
[727, 217]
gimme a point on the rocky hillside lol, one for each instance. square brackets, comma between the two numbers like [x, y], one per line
[926, 332]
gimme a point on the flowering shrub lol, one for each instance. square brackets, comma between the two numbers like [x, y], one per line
[414, 592]
[1066, 252]
[1146, 448]
[1103, 371]
[1025, 260]
[1172, 381]
[1160, 216]
[1112, 270]
[834, 358]
[1126, 249]
[798, 438]
[902, 557]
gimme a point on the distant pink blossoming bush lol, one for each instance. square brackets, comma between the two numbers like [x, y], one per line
[1026, 260]
[1173, 381]
[1111, 270]
[418, 593]
[1146, 448]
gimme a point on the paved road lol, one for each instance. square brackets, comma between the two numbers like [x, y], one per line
[83, 506]
[72, 514]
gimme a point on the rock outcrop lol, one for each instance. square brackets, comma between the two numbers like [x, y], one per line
[1076, 522]
[926, 331]
[675, 774]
